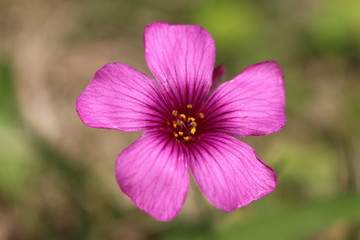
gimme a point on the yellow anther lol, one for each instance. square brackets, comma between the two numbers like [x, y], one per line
[181, 133]
[183, 116]
[194, 124]
[175, 134]
[174, 112]
[186, 138]
[191, 119]
[189, 106]
[192, 131]
[174, 124]
[201, 115]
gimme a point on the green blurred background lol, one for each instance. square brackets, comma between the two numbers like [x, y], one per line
[57, 176]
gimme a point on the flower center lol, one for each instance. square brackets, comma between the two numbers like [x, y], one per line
[183, 125]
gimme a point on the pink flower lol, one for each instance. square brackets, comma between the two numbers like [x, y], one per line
[186, 127]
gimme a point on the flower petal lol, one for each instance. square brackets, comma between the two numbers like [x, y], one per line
[228, 171]
[120, 97]
[253, 103]
[153, 173]
[182, 58]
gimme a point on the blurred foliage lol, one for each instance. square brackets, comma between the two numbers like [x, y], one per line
[297, 221]
[48, 190]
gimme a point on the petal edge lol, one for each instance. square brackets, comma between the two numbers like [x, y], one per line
[251, 104]
[228, 172]
[181, 57]
[121, 97]
[153, 173]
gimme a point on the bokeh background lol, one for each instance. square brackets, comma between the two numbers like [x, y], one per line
[57, 175]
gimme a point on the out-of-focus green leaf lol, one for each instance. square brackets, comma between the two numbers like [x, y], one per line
[8, 112]
[334, 28]
[197, 231]
[5, 84]
[231, 22]
[16, 165]
[297, 94]
[236, 26]
[296, 222]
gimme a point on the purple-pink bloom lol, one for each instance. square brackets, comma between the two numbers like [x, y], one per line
[189, 120]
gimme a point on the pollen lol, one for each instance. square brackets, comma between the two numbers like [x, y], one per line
[183, 116]
[183, 124]
[191, 119]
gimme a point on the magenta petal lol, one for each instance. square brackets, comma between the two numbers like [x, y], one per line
[253, 103]
[120, 97]
[153, 173]
[182, 58]
[228, 171]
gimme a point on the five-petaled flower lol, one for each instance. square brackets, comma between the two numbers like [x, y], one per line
[189, 122]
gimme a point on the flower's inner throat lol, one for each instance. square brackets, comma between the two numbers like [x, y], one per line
[183, 125]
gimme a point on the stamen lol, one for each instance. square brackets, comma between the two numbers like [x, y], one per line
[184, 125]
[191, 119]
[194, 124]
